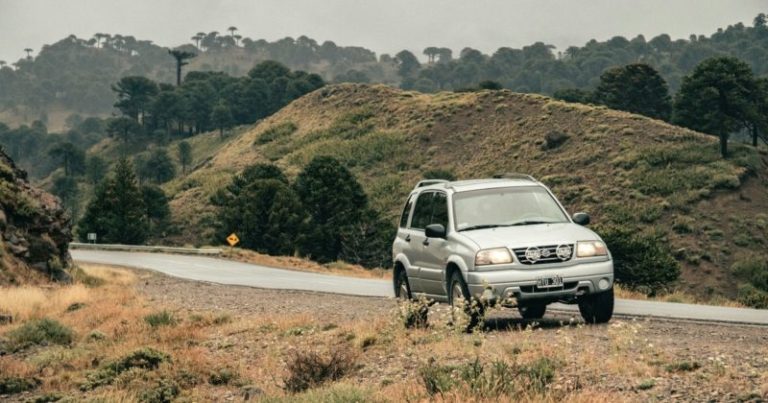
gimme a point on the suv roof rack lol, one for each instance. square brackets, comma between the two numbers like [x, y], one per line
[514, 175]
[427, 182]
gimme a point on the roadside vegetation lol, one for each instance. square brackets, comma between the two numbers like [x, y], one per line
[110, 341]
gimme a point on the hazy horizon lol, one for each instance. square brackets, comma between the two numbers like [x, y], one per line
[381, 27]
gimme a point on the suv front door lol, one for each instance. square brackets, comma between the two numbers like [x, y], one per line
[435, 250]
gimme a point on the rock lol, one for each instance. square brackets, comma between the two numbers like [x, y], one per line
[36, 228]
[249, 392]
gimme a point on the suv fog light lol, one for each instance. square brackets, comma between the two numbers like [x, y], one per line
[603, 284]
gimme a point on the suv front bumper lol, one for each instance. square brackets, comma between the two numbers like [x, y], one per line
[520, 283]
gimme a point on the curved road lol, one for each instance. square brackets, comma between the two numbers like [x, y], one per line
[235, 273]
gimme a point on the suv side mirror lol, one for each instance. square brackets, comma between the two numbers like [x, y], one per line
[581, 218]
[435, 231]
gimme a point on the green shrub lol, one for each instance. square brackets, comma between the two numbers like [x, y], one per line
[223, 376]
[39, 332]
[439, 174]
[683, 366]
[331, 394]
[12, 385]
[753, 297]
[640, 260]
[162, 391]
[539, 373]
[145, 358]
[753, 269]
[437, 379]
[162, 318]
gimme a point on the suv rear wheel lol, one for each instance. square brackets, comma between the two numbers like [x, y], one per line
[597, 308]
[532, 310]
[464, 311]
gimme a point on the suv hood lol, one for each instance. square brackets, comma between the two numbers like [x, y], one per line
[530, 235]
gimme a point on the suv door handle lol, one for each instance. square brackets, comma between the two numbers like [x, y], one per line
[408, 238]
[426, 242]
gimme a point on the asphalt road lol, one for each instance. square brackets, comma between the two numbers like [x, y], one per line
[235, 273]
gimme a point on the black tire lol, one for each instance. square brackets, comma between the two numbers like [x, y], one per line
[532, 310]
[414, 313]
[474, 311]
[597, 308]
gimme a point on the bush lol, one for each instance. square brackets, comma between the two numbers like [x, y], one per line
[162, 318]
[439, 174]
[489, 381]
[640, 260]
[162, 391]
[753, 297]
[39, 332]
[223, 376]
[310, 369]
[753, 269]
[13, 385]
[145, 358]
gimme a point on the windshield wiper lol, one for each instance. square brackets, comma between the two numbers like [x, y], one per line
[483, 226]
[531, 222]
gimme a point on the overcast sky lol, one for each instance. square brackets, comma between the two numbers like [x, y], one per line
[382, 26]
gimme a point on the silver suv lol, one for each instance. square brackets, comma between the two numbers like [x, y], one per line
[503, 241]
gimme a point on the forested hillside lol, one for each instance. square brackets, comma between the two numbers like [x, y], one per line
[74, 75]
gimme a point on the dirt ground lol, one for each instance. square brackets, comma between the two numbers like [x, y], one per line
[629, 359]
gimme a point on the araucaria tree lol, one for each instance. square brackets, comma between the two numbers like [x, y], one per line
[717, 98]
[334, 200]
[181, 58]
[117, 213]
[636, 88]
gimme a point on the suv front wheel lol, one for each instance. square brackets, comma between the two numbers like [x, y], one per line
[462, 304]
[597, 308]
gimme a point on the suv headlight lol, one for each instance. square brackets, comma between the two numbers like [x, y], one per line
[493, 256]
[590, 249]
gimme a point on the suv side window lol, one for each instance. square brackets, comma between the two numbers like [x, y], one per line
[440, 209]
[422, 213]
[406, 212]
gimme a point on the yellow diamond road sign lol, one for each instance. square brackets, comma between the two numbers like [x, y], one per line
[233, 239]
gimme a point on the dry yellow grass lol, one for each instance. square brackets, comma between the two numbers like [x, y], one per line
[586, 363]
[301, 264]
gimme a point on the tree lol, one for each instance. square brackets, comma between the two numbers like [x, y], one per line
[134, 94]
[29, 53]
[156, 204]
[717, 98]
[158, 167]
[117, 213]
[636, 88]
[489, 85]
[65, 187]
[221, 116]
[334, 201]
[267, 216]
[573, 95]
[71, 158]
[407, 64]
[185, 155]
[95, 169]
[123, 128]
[181, 58]
[431, 52]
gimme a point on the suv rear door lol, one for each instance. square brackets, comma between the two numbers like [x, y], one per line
[404, 243]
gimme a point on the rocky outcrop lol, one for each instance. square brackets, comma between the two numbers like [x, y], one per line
[35, 230]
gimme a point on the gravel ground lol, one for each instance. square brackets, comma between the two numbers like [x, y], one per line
[730, 362]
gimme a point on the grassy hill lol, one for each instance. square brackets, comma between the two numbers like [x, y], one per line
[619, 167]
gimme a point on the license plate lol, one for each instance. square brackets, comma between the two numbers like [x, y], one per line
[549, 282]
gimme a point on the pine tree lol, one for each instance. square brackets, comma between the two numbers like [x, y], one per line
[117, 213]
[334, 200]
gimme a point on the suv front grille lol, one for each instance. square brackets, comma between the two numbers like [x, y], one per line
[544, 254]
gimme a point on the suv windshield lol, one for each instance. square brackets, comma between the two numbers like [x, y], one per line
[489, 208]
